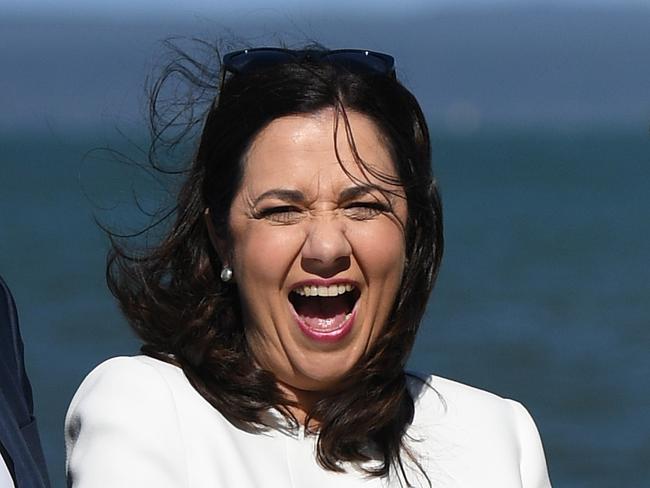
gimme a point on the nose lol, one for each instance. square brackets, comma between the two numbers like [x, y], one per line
[326, 250]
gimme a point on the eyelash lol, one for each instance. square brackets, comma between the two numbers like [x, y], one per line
[369, 209]
[286, 214]
[280, 214]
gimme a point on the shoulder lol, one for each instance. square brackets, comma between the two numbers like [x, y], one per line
[18, 428]
[137, 382]
[124, 373]
[132, 365]
[444, 396]
[492, 433]
[124, 419]
[10, 341]
[131, 386]
[472, 415]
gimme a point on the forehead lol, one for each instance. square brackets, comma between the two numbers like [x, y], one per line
[315, 149]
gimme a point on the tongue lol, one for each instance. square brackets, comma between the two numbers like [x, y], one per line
[322, 313]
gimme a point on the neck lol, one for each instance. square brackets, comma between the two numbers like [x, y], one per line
[304, 402]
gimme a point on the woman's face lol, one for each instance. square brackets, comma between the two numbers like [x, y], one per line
[317, 254]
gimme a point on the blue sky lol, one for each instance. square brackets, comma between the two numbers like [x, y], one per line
[539, 65]
[157, 8]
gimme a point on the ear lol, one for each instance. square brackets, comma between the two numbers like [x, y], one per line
[218, 243]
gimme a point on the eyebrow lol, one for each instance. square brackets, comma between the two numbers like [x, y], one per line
[281, 194]
[356, 191]
[298, 196]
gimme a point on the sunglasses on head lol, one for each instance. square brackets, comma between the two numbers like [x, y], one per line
[359, 60]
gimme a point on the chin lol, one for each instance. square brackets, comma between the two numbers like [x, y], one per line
[325, 371]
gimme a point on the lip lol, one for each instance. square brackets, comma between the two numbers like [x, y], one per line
[330, 336]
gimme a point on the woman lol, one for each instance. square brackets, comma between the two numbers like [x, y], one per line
[278, 312]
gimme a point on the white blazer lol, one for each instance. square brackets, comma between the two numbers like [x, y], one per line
[137, 422]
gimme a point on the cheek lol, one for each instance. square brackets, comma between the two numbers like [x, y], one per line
[263, 254]
[380, 250]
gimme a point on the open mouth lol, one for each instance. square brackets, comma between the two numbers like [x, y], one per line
[324, 309]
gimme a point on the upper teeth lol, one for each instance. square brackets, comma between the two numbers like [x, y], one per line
[323, 291]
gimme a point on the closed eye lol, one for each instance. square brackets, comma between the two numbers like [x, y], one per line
[364, 210]
[281, 214]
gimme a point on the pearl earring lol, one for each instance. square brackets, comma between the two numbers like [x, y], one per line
[226, 273]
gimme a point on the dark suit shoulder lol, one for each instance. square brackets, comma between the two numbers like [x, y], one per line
[19, 439]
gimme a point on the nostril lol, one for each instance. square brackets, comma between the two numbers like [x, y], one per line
[325, 268]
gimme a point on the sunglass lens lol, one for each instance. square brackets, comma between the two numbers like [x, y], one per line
[253, 60]
[362, 61]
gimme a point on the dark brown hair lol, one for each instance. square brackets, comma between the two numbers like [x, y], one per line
[172, 295]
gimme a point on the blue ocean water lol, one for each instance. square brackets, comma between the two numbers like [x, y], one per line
[543, 294]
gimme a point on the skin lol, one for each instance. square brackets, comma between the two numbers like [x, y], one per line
[298, 216]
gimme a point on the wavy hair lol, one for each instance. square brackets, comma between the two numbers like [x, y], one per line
[171, 293]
